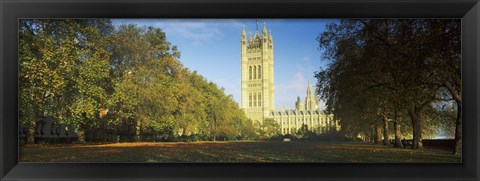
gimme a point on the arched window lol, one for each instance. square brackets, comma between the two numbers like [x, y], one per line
[259, 72]
[259, 99]
[254, 99]
[250, 100]
[254, 72]
[250, 72]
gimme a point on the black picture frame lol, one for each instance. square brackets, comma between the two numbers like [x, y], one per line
[11, 11]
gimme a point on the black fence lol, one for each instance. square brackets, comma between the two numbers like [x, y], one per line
[48, 131]
[439, 143]
[432, 143]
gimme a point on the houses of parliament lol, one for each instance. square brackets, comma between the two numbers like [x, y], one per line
[258, 90]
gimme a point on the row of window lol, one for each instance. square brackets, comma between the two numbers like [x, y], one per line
[255, 72]
[315, 121]
[254, 85]
[255, 100]
[294, 130]
[254, 58]
[251, 49]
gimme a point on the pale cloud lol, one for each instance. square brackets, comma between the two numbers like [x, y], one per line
[306, 58]
[286, 93]
[231, 86]
[200, 32]
[197, 32]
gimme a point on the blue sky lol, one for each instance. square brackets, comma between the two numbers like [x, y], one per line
[212, 48]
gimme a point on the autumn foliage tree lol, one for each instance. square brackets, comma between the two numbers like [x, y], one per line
[129, 79]
[63, 66]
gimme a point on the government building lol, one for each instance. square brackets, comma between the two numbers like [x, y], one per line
[258, 90]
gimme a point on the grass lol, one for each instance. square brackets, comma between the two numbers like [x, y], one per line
[241, 151]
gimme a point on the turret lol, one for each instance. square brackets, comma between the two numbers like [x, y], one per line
[243, 43]
[243, 63]
[264, 31]
[250, 38]
[244, 34]
[299, 104]
[265, 39]
[270, 36]
[256, 30]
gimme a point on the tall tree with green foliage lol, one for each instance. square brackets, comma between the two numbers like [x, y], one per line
[402, 59]
[63, 67]
[130, 79]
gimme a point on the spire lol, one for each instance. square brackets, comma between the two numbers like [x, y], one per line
[244, 34]
[309, 90]
[264, 31]
[256, 32]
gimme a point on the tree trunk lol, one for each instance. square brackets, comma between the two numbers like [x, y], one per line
[417, 123]
[378, 134]
[184, 131]
[81, 135]
[458, 130]
[398, 133]
[32, 128]
[31, 133]
[138, 131]
[457, 96]
[373, 137]
[365, 137]
[385, 131]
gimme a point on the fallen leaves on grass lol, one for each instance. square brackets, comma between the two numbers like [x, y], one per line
[250, 152]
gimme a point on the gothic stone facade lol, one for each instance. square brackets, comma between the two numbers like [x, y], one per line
[257, 95]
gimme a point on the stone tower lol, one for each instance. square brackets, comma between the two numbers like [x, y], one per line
[257, 98]
[299, 106]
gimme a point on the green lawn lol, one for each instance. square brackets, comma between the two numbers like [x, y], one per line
[323, 152]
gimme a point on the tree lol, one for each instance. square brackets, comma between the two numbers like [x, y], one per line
[54, 56]
[129, 79]
[146, 71]
[269, 128]
[395, 58]
[304, 132]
